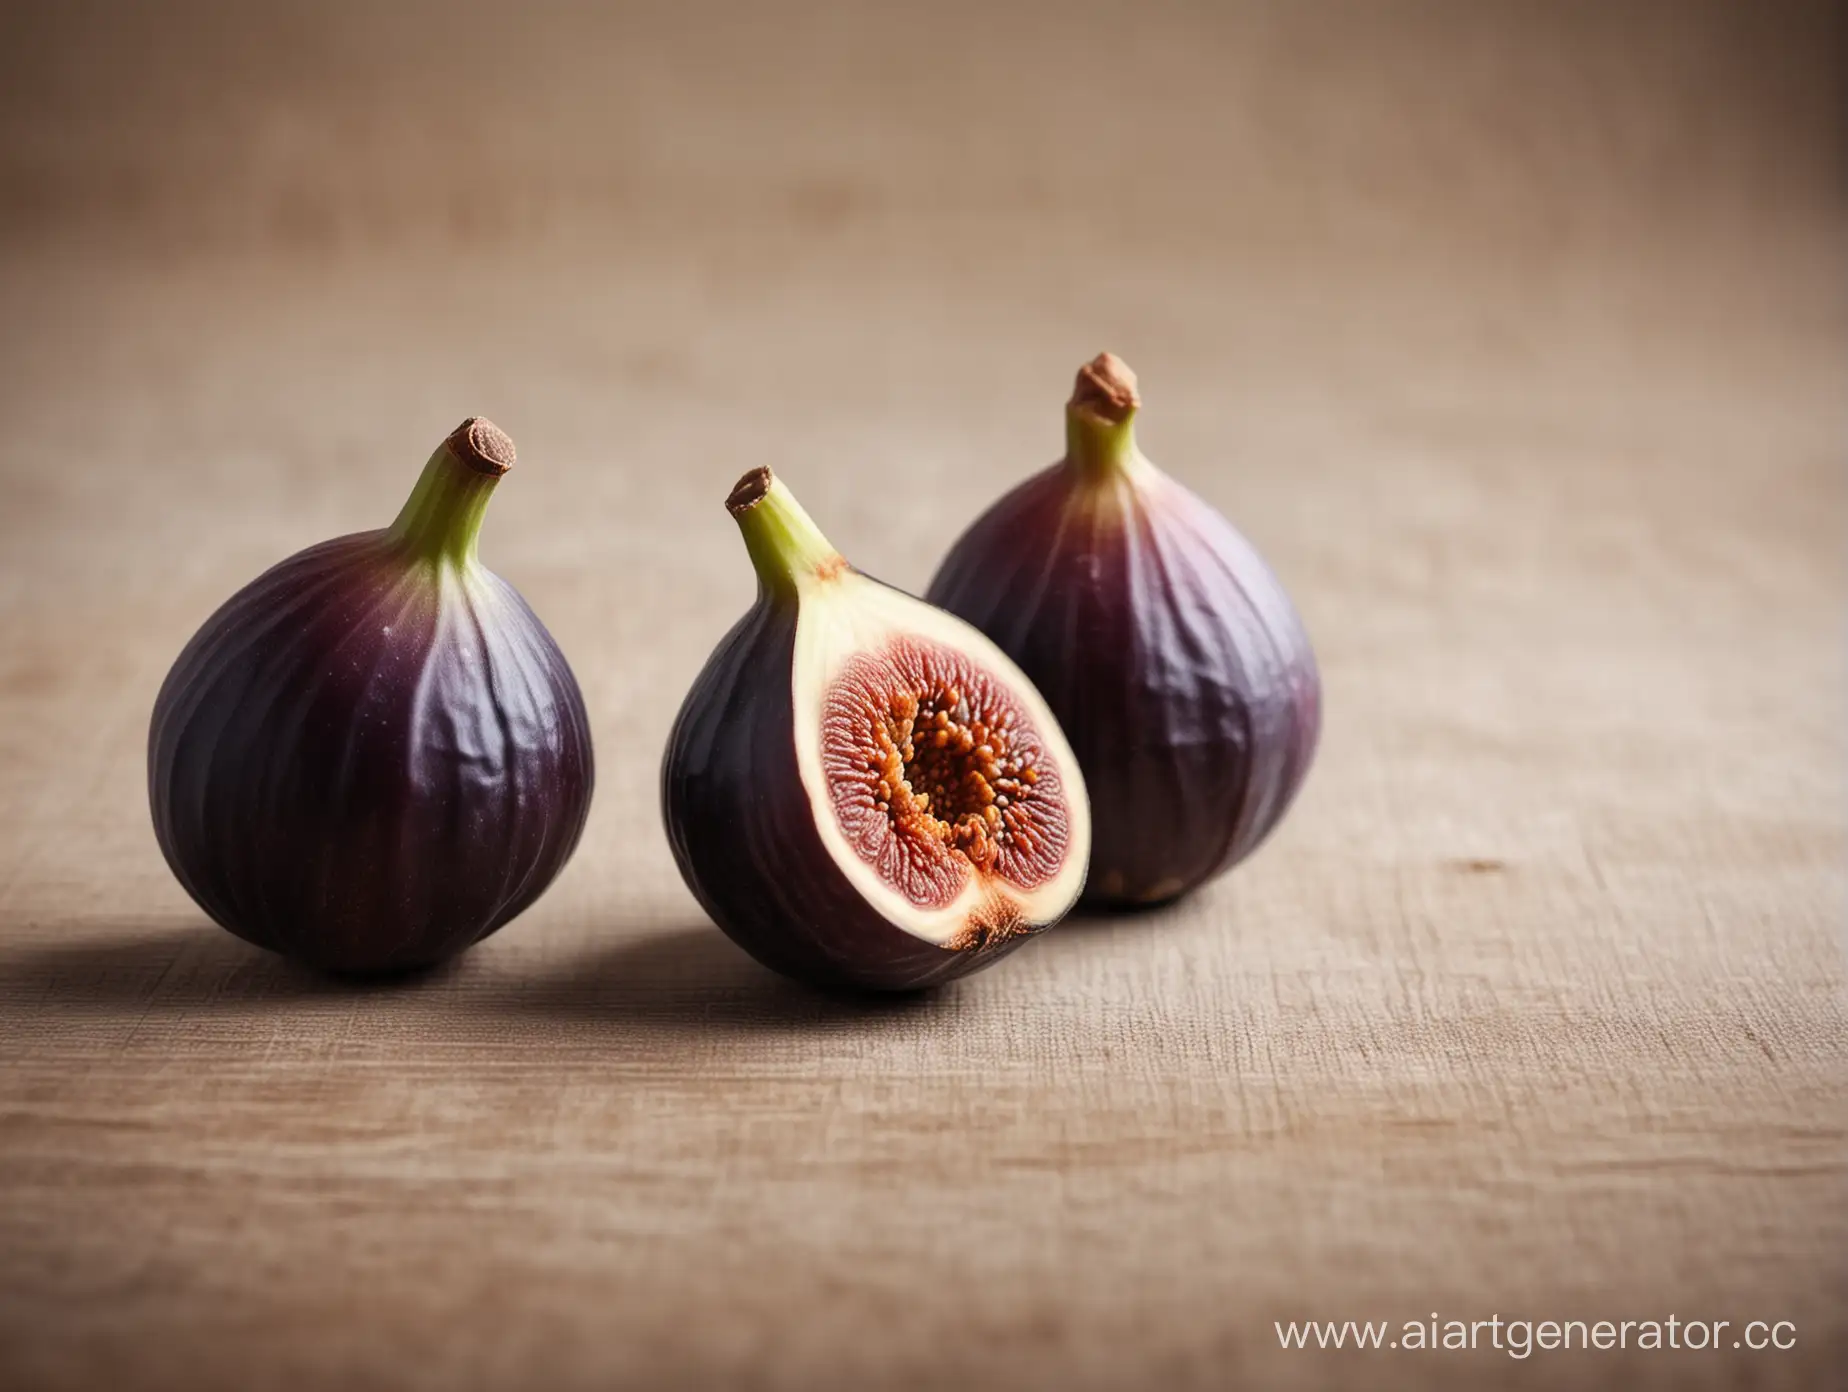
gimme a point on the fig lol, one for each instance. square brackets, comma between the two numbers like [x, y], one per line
[374, 754]
[861, 790]
[1163, 643]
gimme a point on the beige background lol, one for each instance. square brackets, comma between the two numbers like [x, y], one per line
[1514, 334]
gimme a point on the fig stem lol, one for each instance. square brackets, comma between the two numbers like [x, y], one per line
[441, 520]
[1100, 419]
[1100, 448]
[786, 546]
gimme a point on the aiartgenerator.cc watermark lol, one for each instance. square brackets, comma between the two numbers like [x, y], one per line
[1522, 1338]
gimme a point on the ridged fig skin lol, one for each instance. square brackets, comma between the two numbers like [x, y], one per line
[1169, 653]
[368, 761]
[744, 834]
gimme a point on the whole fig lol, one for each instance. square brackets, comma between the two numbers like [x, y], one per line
[374, 755]
[1163, 643]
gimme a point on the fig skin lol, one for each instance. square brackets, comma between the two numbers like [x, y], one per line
[744, 830]
[374, 755]
[1164, 644]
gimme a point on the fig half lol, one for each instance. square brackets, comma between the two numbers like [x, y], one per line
[862, 790]
[374, 755]
[1165, 645]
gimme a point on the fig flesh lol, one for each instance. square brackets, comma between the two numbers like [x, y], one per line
[375, 755]
[861, 790]
[1161, 640]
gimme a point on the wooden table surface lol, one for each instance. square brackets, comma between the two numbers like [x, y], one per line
[1514, 337]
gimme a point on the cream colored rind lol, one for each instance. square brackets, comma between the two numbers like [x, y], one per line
[846, 613]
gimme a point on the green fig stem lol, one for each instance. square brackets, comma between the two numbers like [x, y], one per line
[441, 520]
[786, 546]
[1100, 419]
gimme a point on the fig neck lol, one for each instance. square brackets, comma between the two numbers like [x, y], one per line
[786, 547]
[441, 520]
[1099, 449]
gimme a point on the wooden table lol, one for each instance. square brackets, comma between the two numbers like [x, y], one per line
[1513, 337]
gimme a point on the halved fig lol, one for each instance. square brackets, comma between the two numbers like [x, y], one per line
[862, 790]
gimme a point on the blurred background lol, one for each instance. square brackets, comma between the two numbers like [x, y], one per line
[1514, 335]
[1381, 268]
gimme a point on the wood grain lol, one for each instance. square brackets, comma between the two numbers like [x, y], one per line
[1514, 337]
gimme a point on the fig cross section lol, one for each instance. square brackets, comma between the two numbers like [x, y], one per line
[861, 789]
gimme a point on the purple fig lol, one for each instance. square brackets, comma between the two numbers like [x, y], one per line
[374, 755]
[1162, 642]
[861, 790]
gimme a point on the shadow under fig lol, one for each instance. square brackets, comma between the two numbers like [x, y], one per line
[1139, 916]
[694, 977]
[130, 969]
[687, 977]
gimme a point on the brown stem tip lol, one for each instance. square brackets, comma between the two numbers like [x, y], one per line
[1106, 388]
[482, 445]
[749, 491]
